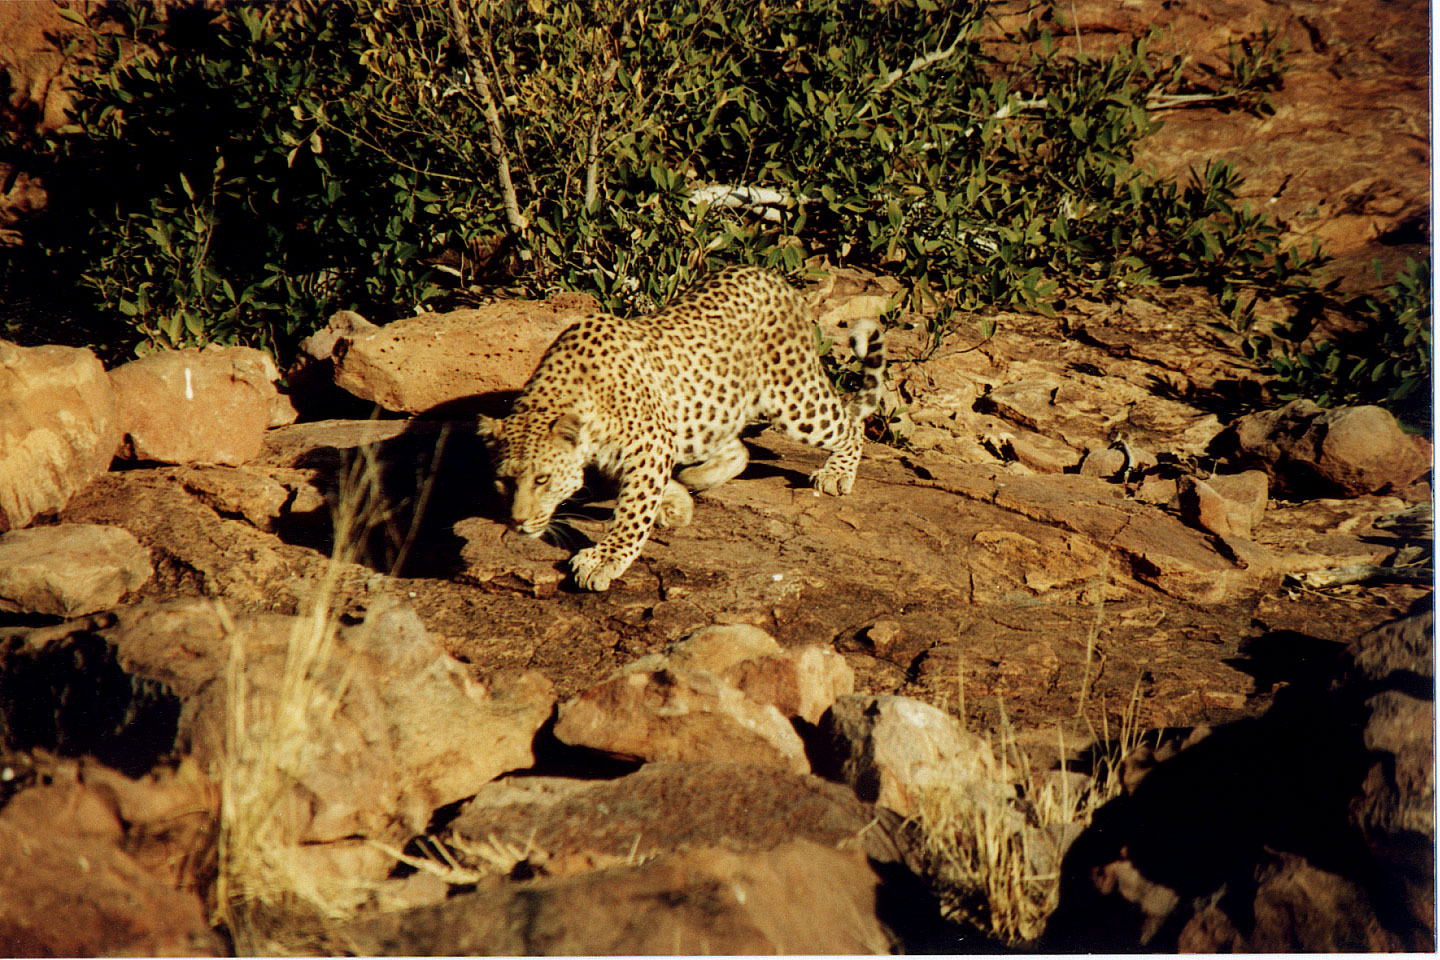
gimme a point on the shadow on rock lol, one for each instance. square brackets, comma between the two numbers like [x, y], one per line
[1307, 828]
[74, 698]
[426, 476]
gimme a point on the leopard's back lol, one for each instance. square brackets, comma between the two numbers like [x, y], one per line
[723, 351]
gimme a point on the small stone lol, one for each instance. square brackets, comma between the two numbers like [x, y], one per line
[883, 634]
[1106, 464]
[1224, 699]
[1203, 507]
[342, 324]
[1246, 496]
[1160, 490]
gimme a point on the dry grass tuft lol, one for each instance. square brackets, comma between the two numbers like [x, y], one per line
[994, 860]
[265, 882]
[459, 860]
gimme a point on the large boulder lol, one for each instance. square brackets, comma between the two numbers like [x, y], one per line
[1394, 670]
[667, 714]
[375, 725]
[800, 682]
[210, 405]
[120, 859]
[725, 692]
[893, 749]
[59, 427]
[68, 894]
[70, 569]
[1344, 452]
[421, 363]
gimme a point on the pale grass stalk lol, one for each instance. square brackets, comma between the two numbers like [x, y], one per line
[980, 849]
[482, 859]
[1092, 635]
[271, 741]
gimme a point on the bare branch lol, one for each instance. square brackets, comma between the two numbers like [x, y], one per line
[592, 170]
[517, 223]
[916, 65]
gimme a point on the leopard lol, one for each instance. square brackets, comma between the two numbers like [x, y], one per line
[670, 392]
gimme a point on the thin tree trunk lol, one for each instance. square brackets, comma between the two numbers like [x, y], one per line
[592, 169]
[517, 223]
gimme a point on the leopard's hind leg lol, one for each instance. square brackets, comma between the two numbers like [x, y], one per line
[727, 464]
[676, 506]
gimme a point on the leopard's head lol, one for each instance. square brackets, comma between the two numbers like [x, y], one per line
[539, 460]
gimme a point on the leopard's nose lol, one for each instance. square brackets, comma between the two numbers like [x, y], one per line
[531, 528]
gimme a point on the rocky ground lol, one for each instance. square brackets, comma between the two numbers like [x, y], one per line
[1068, 545]
[1083, 542]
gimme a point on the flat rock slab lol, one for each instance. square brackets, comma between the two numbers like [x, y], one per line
[574, 825]
[955, 583]
[978, 534]
[70, 569]
[797, 898]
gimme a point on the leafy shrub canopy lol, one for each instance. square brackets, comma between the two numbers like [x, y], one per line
[238, 175]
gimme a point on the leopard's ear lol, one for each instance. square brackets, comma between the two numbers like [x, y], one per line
[489, 428]
[570, 428]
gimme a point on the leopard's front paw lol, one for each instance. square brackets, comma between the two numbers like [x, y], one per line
[832, 481]
[592, 571]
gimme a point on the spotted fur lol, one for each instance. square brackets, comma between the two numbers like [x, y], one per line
[639, 397]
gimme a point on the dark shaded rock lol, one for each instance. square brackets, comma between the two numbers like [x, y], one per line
[663, 807]
[69, 889]
[1308, 828]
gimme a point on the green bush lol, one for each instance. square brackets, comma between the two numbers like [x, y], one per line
[265, 165]
[199, 198]
[1385, 360]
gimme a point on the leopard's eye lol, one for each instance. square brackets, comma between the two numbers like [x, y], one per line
[543, 479]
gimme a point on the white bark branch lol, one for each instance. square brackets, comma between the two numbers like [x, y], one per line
[513, 217]
[592, 168]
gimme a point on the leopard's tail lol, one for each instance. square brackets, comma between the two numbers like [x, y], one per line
[868, 346]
